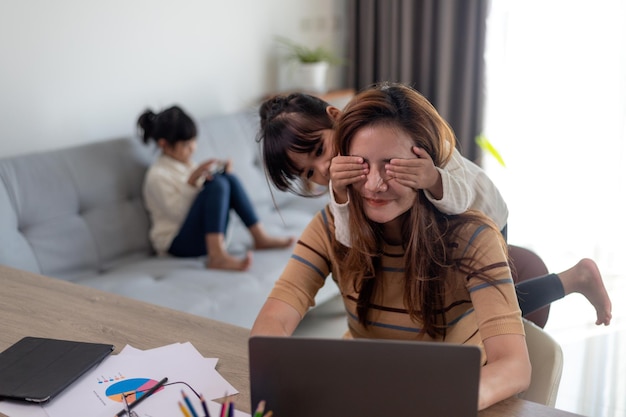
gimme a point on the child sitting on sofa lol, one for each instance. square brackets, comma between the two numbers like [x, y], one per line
[189, 203]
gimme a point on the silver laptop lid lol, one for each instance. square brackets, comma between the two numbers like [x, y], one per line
[311, 377]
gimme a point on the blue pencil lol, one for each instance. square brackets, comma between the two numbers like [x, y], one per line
[191, 409]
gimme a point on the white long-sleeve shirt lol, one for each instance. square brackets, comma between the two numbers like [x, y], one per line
[168, 198]
[465, 186]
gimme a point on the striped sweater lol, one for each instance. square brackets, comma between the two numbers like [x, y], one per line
[475, 310]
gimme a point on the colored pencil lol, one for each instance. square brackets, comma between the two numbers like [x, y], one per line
[204, 407]
[189, 406]
[184, 410]
[260, 409]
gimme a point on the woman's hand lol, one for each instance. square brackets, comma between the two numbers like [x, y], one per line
[346, 170]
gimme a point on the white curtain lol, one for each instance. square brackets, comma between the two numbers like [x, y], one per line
[556, 111]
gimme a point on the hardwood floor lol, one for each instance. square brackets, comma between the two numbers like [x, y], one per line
[594, 373]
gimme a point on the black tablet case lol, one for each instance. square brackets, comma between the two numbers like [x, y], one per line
[36, 369]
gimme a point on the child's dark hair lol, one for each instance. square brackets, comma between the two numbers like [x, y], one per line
[293, 123]
[172, 124]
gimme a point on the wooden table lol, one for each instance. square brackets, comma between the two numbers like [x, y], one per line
[34, 305]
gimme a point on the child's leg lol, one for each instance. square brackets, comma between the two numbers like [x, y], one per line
[210, 211]
[219, 257]
[190, 242]
[585, 278]
[537, 293]
[533, 299]
[240, 202]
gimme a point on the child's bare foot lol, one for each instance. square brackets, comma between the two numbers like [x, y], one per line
[263, 240]
[272, 242]
[585, 278]
[230, 263]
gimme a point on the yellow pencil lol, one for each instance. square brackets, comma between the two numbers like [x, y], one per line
[268, 414]
[184, 410]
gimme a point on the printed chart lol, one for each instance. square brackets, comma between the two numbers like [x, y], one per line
[133, 389]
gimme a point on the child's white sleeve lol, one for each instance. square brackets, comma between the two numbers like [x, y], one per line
[458, 195]
[342, 218]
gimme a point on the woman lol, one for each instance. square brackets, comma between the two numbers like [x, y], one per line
[411, 272]
[298, 138]
[189, 203]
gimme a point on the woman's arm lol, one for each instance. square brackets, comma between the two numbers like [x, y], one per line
[507, 371]
[276, 318]
[305, 273]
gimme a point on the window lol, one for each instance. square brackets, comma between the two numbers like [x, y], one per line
[556, 111]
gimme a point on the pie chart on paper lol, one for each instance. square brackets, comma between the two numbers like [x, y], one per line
[134, 389]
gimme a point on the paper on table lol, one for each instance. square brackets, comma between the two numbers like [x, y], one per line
[178, 348]
[97, 393]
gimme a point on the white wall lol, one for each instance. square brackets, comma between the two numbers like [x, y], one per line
[76, 71]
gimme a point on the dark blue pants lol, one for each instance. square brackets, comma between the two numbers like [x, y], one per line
[209, 214]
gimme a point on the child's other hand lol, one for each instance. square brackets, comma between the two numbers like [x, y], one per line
[419, 173]
[228, 165]
[346, 170]
[202, 172]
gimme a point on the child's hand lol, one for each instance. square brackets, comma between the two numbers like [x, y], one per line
[228, 165]
[346, 170]
[419, 173]
[203, 171]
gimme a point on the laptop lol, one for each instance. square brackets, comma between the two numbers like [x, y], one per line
[313, 377]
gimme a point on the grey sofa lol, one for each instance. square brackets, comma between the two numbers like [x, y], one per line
[77, 214]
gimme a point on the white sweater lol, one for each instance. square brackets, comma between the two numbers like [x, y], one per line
[465, 186]
[168, 198]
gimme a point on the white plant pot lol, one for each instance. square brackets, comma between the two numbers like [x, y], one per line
[311, 77]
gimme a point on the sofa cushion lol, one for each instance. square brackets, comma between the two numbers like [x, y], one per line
[184, 284]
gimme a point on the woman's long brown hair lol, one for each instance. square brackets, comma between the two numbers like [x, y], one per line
[426, 231]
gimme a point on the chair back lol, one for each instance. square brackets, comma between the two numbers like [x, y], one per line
[546, 358]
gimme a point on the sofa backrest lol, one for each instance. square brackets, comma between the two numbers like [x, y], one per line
[233, 136]
[72, 212]
[78, 211]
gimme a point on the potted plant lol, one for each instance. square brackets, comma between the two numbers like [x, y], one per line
[311, 65]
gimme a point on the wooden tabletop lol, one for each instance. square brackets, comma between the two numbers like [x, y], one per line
[34, 305]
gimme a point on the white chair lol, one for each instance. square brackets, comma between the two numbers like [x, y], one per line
[546, 358]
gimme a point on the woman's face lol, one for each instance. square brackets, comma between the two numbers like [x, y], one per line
[314, 166]
[384, 199]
